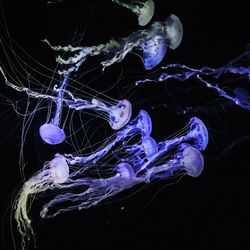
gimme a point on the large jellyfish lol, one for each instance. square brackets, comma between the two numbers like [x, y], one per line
[144, 11]
[153, 43]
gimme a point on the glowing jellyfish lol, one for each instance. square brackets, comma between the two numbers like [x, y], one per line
[124, 170]
[188, 159]
[119, 114]
[199, 133]
[54, 173]
[192, 160]
[174, 31]
[153, 44]
[51, 133]
[144, 11]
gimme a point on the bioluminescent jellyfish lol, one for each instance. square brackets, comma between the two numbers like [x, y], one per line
[117, 113]
[234, 68]
[153, 44]
[51, 132]
[144, 11]
[52, 174]
[187, 159]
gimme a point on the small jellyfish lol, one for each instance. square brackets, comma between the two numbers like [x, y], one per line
[188, 159]
[198, 132]
[138, 153]
[50, 132]
[154, 51]
[119, 113]
[150, 146]
[124, 170]
[53, 174]
[144, 11]
[192, 160]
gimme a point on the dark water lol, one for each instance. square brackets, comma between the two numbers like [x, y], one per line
[209, 212]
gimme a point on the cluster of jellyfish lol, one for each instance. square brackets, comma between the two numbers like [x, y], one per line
[131, 156]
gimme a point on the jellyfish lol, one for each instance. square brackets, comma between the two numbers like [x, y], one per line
[199, 133]
[51, 133]
[53, 173]
[188, 159]
[152, 42]
[119, 113]
[144, 11]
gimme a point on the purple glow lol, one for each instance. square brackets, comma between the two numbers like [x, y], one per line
[143, 162]
[51, 133]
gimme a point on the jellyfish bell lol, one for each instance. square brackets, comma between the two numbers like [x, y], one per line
[149, 146]
[120, 114]
[173, 31]
[124, 170]
[198, 132]
[59, 169]
[154, 50]
[145, 13]
[144, 123]
[52, 134]
[192, 160]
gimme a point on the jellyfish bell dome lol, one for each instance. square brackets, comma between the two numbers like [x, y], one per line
[149, 145]
[124, 170]
[198, 132]
[120, 114]
[52, 134]
[146, 13]
[154, 50]
[173, 31]
[144, 123]
[192, 160]
[59, 169]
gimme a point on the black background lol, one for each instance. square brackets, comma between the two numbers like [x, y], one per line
[210, 212]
